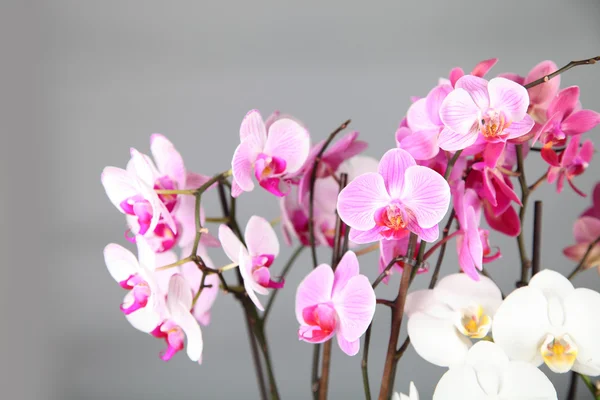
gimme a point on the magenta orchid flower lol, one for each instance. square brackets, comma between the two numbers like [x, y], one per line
[472, 242]
[586, 231]
[392, 249]
[541, 96]
[179, 322]
[494, 112]
[402, 196]
[566, 118]
[142, 301]
[270, 155]
[572, 162]
[594, 209]
[482, 68]
[340, 303]
[254, 262]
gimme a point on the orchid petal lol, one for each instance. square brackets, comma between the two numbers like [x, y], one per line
[355, 307]
[349, 347]
[586, 229]
[242, 163]
[392, 168]
[477, 88]
[579, 306]
[230, 242]
[510, 97]
[459, 111]
[564, 103]
[253, 125]
[427, 194]
[519, 128]
[250, 285]
[314, 289]
[459, 291]
[524, 381]
[346, 269]
[368, 236]
[417, 116]
[422, 145]
[580, 122]
[289, 141]
[452, 141]
[121, 263]
[462, 381]
[168, 160]
[358, 201]
[543, 93]
[549, 281]
[261, 237]
[119, 185]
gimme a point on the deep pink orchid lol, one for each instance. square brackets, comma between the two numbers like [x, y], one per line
[572, 162]
[493, 112]
[402, 196]
[472, 242]
[566, 118]
[270, 155]
[586, 231]
[340, 303]
[255, 260]
[179, 322]
[482, 68]
[392, 249]
[594, 209]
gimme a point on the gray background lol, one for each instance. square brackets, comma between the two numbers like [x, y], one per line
[82, 81]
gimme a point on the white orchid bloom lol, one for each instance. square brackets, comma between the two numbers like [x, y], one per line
[488, 374]
[443, 321]
[550, 321]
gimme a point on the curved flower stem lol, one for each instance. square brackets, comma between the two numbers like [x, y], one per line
[367, 249]
[397, 314]
[593, 389]
[284, 272]
[438, 264]
[525, 262]
[440, 243]
[451, 163]
[581, 264]
[546, 78]
[311, 194]
[365, 363]
[175, 264]
[538, 182]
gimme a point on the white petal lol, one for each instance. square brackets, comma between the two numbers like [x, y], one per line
[121, 263]
[521, 323]
[487, 353]
[583, 326]
[549, 281]
[523, 381]
[180, 294]
[459, 383]
[145, 319]
[230, 243]
[437, 340]
[459, 292]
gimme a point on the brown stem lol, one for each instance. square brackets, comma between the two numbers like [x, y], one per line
[525, 262]
[581, 264]
[438, 264]
[567, 67]
[397, 313]
[538, 182]
[537, 237]
[572, 386]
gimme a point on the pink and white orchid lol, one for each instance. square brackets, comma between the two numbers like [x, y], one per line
[587, 232]
[572, 162]
[179, 322]
[442, 321]
[549, 322]
[493, 112]
[402, 196]
[340, 303]
[488, 374]
[270, 155]
[254, 262]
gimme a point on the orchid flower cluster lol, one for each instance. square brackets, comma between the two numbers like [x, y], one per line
[459, 154]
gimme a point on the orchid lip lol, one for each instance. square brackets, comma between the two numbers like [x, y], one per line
[473, 323]
[559, 353]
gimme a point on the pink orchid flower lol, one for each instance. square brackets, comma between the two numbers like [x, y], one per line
[268, 155]
[391, 249]
[345, 148]
[340, 303]
[572, 162]
[401, 196]
[472, 243]
[254, 262]
[586, 231]
[494, 112]
[482, 68]
[566, 118]
[594, 209]
[179, 322]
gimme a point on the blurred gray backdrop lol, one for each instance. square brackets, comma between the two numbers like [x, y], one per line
[82, 81]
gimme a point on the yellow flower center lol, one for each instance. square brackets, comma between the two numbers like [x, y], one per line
[559, 354]
[474, 323]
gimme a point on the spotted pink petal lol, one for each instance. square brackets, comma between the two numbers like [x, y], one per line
[392, 167]
[580, 122]
[260, 237]
[253, 125]
[358, 201]
[168, 160]
[316, 288]
[288, 140]
[509, 97]
[544, 93]
[477, 89]
[355, 306]
[459, 112]
[450, 140]
[427, 194]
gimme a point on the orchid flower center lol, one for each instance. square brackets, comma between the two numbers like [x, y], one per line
[559, 353]
[174, 337]
[261, 273]
[321, 320]
[140, 292]
[268, 166]
[394, 218]
[139, 207]
[166, 183]
[474, 323]
[492, 124]
[165, 238]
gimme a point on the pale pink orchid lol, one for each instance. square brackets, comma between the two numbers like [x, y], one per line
[401, 196]
[493, 112]
[142, 303]
[594, 209]
[482, 68]
[472, 243]
[586, 231]
[566, 118]
[572, 162]
[340, 304]
[255, 260]
[270, 155]
[179, 322]
[344, 149]
[391, 249]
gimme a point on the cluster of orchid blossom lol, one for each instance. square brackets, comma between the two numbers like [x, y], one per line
[460, 147]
